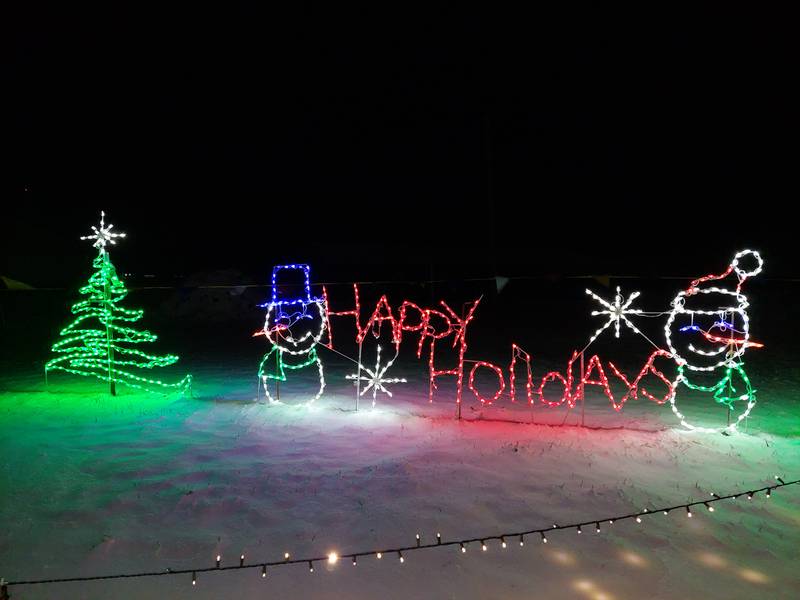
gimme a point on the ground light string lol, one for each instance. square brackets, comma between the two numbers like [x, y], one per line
[398, 552]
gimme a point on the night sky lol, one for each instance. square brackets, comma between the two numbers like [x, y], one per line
[398, 144]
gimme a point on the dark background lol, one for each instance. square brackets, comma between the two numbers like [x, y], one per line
[398, 145]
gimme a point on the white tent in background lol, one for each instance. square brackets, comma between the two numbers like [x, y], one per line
[7, 283]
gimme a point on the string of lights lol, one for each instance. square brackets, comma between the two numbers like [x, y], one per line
[400, 552]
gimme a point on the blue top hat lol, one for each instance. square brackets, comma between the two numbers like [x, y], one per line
[305, 298]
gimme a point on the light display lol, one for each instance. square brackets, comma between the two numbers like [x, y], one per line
[104, 351]
[433, 326]
[729, 349]
[724, 352]
[517, 352]
[103, 235]
[382, 312]
[568, 396]
[500, 379]
[726, 340]
[616, 312]
[294, 326]
[727, 337]
[354, 312]
[572, 391]
[376, 379]
[635, 387]
[459, 326]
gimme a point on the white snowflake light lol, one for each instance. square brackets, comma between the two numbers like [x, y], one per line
[375, 379]
[616, 312]
[103, 235]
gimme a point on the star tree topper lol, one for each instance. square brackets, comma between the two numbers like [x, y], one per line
[616, 312]
[103, 235]
[376, 379]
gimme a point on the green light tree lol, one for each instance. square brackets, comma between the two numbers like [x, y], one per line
[99, 341]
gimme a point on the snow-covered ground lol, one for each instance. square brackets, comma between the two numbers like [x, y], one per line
[93, 484]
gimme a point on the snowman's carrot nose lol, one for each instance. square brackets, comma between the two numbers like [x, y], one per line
[716, 339]
[730, 341]
[274, 329]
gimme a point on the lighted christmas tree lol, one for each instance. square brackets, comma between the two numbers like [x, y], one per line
[100, 342]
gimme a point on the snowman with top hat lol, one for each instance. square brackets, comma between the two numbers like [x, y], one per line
[708, 332]
[294, 325]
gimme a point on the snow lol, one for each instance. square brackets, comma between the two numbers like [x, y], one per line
[93, 484]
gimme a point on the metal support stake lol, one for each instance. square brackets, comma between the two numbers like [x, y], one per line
[112, 387]
[583, 399]
[280, 372]
[358, 374]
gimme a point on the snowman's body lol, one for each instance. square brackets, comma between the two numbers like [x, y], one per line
[717, 321]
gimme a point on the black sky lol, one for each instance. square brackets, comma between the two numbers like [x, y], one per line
[563, 141]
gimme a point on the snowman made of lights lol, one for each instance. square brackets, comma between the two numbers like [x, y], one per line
[294, 326]
[711, 326]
